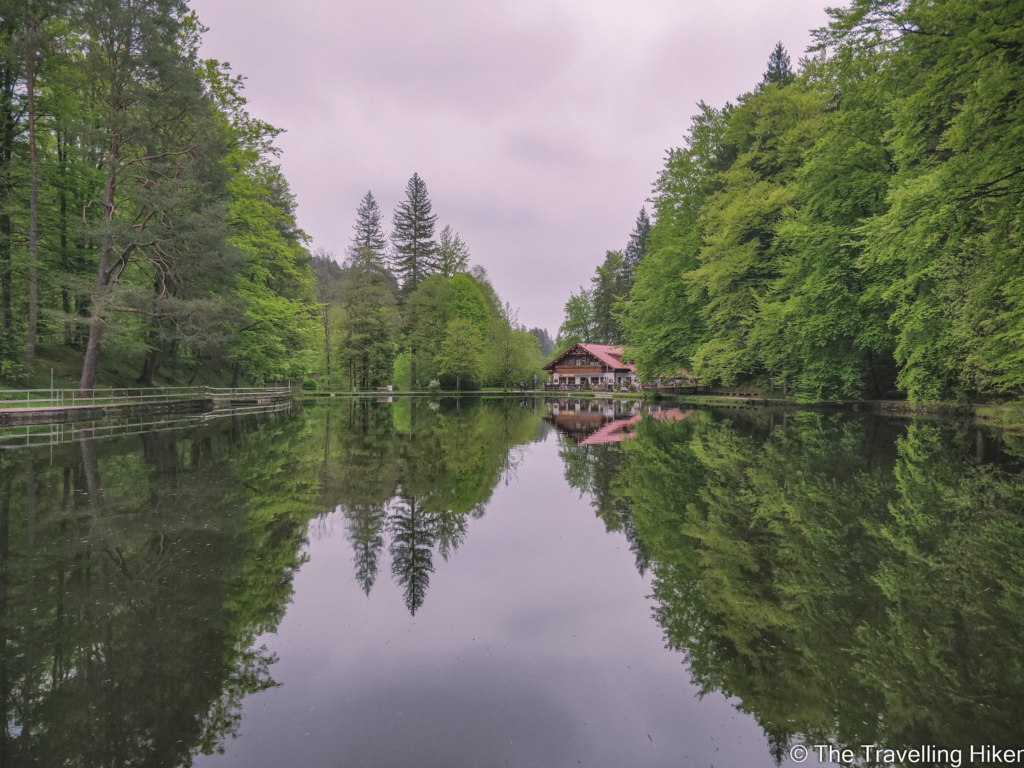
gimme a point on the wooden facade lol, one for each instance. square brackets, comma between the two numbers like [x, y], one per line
[591, 366]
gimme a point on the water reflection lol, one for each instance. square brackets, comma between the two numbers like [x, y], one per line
[843, 579]
[855, 581]
[414, 473]
[135, 574]
[604, 421]
[137, 570]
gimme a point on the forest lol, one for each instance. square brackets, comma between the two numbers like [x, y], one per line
[409, 309]
[148, 235]
[850, 227]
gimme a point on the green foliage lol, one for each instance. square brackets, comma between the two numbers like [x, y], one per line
[610, 286]
[663, 324]
[412, 236]
[426, 320]
[461, 352]
[369, 332]
[167, 237]
[780, 71]
[466, 301]
[579, 324]
[368, 231]
[452, 254]
[855, 227]
[639, 243]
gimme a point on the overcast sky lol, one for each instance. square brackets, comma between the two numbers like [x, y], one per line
[537, 125]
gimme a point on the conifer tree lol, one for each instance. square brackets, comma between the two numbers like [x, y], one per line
[779, 70]
[412, 236]
[452, 254]
[610, 287]
[368, 232]
[637, 247]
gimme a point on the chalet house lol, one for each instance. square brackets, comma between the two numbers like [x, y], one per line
[591, 365]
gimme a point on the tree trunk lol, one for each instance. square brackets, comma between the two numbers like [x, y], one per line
[90, 366]
[785, 387]
[412, 369]
[150, 368]
[7, 82]
[62, 198]
[327, 340]
[236, 375]
[33, 219]
[874, 376]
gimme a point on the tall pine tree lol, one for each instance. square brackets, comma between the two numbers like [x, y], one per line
[412, 236]
[368, 232]
[637, 247]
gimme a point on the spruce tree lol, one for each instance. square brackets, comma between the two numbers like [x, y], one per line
[412, 236]
[779, 70]
[610, 286]
[637, 247]
[368, 232]
[452, 254]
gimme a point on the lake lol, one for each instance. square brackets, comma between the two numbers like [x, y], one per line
[509, 581]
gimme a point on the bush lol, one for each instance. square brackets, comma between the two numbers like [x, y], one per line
[434, 385]
[309, 384]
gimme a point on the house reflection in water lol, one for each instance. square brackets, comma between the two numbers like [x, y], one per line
[596, 422]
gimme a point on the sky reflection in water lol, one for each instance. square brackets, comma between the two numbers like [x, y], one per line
[522, 582]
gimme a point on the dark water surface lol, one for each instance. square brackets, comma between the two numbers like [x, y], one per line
[526, 582]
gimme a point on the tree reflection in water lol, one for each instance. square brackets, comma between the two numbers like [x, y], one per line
[137, 573]
[411, 475]
[135, 576]
[852, 580]
[845, 579]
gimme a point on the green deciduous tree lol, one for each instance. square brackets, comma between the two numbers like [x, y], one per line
[161, 210]
[461, 353]
[579, 324]
[663, 324]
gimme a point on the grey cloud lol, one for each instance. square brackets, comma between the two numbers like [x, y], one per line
[538, 125]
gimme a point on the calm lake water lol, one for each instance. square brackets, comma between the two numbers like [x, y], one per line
[525, 582]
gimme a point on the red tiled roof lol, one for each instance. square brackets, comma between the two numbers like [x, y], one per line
[622, 429]
[612, 432]
[607, 354]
